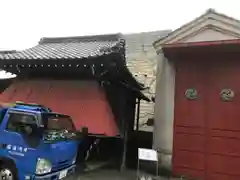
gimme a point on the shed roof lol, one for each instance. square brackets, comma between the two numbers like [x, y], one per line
[75, 48]
[69, 48]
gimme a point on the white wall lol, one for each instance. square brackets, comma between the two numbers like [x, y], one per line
[164, 110]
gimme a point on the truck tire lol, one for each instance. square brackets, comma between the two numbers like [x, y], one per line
[8, 171]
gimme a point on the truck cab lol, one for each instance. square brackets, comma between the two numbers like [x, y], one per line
[36, 143]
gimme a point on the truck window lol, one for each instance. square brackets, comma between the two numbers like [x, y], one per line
[58, 122]
[21, 123]
[26, 125]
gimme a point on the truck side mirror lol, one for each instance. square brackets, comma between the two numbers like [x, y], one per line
[84, 131]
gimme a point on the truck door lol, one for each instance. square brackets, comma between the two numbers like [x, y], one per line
[20, 135]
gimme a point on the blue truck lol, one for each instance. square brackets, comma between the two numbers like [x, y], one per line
[36, 143]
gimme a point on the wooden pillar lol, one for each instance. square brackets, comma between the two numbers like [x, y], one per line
[125, 139]
[138, 113]
[125, 128]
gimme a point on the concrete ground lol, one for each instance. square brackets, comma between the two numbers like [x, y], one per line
[105, 174]
[101, 171]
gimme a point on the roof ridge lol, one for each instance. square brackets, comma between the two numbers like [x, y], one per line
[7, 51]
[88, 38]
[224, 15]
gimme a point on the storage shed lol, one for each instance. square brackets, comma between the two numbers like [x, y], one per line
[85, 77]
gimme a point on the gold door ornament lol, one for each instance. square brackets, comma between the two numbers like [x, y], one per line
[227, 94]
[191, 93]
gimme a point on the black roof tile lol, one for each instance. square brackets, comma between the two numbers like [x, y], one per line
[69, 48]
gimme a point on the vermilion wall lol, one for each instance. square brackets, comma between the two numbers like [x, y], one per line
[84, 101]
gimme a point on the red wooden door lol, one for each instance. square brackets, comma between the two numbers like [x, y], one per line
[207, 129]
[223, 122]
[189, 121]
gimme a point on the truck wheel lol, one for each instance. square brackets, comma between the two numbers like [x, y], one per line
[8, 172]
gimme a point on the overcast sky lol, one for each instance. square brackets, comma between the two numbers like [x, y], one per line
[24, 22]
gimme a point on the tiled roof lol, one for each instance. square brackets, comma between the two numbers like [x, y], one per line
[135, 42]
[69, 48]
